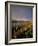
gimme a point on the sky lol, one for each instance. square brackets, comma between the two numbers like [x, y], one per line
[21, 13]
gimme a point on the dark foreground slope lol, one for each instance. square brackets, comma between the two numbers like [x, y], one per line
[22, 29]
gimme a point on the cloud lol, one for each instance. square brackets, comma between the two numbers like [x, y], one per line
[21, 13]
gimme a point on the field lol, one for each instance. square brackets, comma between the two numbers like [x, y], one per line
[22, 29]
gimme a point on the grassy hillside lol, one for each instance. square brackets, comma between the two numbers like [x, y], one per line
[22, 29]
